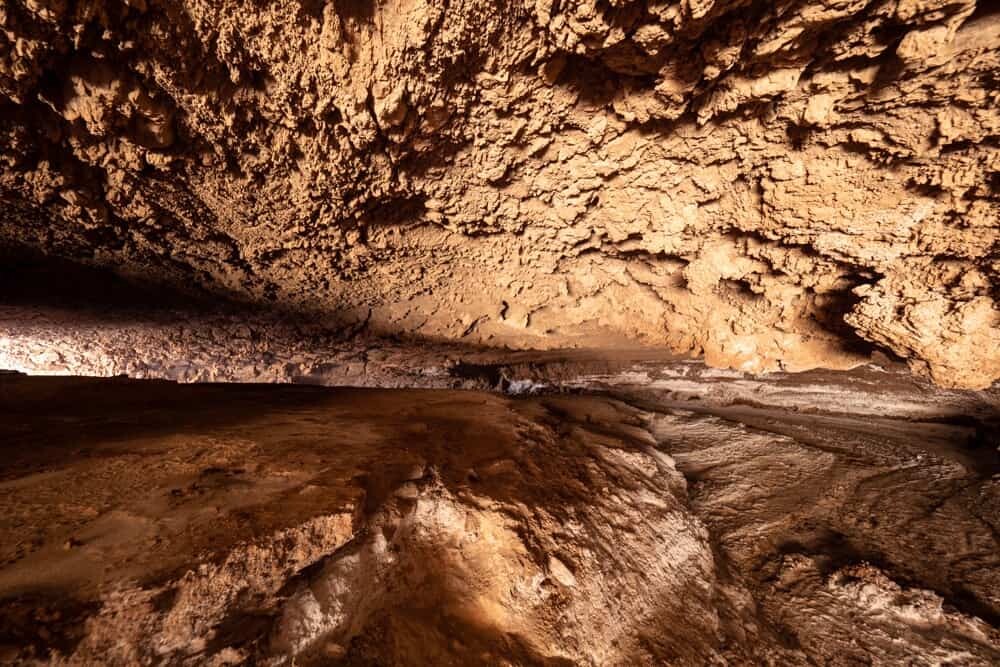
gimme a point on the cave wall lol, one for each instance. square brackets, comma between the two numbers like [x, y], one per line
[769, 184]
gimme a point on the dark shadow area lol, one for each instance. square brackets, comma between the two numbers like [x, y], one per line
[48, 422]
[22, 619]
[28, 278]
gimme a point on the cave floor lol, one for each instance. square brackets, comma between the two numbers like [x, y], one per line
[648, 514]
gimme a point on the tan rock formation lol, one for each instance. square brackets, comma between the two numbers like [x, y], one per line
[221, 524]
[757, 182]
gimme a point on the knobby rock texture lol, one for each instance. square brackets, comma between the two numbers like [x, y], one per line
[768, 184]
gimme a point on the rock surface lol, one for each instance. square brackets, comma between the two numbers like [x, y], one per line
[150, 523]
[762, 183]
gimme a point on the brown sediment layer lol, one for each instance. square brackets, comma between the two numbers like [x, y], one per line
[147, 522]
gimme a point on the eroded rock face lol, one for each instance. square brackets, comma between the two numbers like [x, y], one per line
[757, 182]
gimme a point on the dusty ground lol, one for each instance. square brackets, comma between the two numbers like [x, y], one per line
[762, 183]
[704, 522]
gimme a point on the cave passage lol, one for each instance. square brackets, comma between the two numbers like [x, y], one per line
[507, 332]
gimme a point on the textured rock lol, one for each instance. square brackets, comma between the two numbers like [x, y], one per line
[152, 523]
[761, 183]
